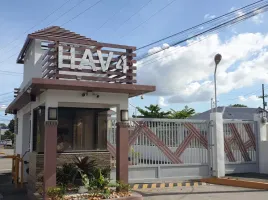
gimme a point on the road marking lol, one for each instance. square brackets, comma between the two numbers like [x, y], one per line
[136, 186]
[144, 186]
[187, 184]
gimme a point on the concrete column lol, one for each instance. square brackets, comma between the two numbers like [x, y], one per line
[262, 144]
[122, 152]
[218, 154]
[50, 154]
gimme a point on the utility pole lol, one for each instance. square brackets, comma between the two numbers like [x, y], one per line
[263, 97]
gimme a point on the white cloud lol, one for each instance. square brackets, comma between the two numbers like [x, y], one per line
[253, 99]
[209, 16]
[184, 74]
[3, 107]
[242, 98]
[161, 102]
[258, 19]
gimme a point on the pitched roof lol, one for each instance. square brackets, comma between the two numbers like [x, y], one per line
[241, 113]
[57, 32]
[52, 33]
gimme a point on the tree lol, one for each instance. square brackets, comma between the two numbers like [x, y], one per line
[3, 126]
[11, 125]
[8, 135]
[182, 114]
[152, 111]
[239, 105]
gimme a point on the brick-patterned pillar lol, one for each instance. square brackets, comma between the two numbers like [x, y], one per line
[50, 154]
[122, 152]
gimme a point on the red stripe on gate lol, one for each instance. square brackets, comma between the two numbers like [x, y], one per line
[248, 144]
[137, 131]
[231, 140]
[111, 149]
[250, 135]
[228, 151]
[161, 145]
[197, 134]
[240, 143]
[184, 144]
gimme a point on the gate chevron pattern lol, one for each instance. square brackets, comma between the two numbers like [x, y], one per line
[141, 129]
[236, 138]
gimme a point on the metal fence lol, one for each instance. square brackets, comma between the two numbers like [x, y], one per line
[239, 141]
[164, 141]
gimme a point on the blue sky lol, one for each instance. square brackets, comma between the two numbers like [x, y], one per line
[105, 22]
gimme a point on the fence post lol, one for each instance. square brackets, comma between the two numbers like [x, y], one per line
[262, 144]
[217, 138]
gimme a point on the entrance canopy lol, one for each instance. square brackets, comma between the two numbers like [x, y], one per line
[38, 85]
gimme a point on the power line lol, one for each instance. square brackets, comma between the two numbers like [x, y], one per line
[82, 12]
[109, 18]
[199, 25]
[55, 20]
[133, 14]
[6, 93]
[11, 72]
[38, 23]
[228, 23]
[150, 17]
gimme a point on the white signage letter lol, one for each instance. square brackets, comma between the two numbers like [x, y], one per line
[119, 64]
[105, 67]
[87, 61]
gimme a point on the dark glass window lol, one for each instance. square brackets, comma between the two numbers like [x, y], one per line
[78, 129]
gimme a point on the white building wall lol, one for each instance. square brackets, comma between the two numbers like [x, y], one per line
[32, 62]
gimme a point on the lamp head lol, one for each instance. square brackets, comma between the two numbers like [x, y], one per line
[217, 58]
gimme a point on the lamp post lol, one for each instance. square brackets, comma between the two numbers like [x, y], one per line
[217, 60]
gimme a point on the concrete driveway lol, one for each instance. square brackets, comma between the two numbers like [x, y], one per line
[6, 163]
[206, 192]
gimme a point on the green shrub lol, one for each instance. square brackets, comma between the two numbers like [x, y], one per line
[66, 174]
[122, 187]
[55, 192]
[85, 165]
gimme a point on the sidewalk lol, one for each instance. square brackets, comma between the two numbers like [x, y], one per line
[8, 191]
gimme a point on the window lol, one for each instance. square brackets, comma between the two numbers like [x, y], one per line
[81, 129]
[78, 129]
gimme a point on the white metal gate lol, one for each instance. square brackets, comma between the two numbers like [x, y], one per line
[165, 149]
[241, 146]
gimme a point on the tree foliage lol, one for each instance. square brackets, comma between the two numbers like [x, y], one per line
[152, 111]
[3, 126]
[8, 135]
[11, 125]
[182, 114]
[239, 105]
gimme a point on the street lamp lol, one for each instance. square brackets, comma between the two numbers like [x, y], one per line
[217, 60]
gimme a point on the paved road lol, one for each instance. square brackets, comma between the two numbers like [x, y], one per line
[5, 163]
[208, 192]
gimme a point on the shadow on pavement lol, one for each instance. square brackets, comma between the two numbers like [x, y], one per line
[8, 190]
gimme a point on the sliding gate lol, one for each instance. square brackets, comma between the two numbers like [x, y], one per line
[241, 146]
[164, 149]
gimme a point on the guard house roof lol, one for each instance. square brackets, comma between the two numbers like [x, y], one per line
[38, 85]
[56, 33]
[59, 35]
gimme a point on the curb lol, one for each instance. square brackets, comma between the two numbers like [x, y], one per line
[237, 183]
[166, 185]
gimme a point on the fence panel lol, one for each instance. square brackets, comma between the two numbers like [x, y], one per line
[239, 141]
[164, 141]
